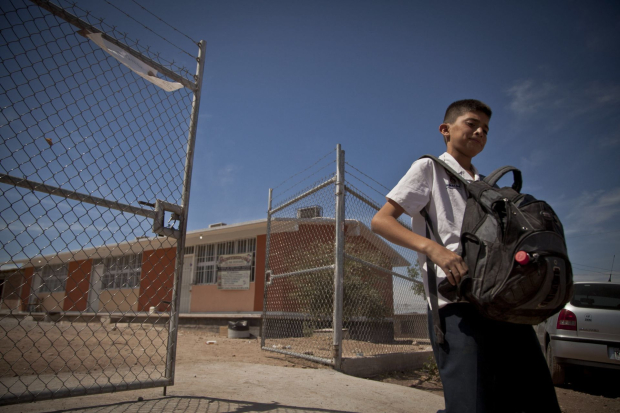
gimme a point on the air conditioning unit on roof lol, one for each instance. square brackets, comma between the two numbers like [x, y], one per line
[315, 211]
[219, 224]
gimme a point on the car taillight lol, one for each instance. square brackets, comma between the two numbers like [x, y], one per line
[567, 320]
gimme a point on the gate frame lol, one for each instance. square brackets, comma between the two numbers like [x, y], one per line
[179, 212]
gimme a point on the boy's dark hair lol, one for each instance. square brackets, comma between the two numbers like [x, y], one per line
[460, 107]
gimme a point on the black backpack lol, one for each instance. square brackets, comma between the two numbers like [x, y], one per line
[514, 247]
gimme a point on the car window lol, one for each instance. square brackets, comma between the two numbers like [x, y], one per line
[606, 296]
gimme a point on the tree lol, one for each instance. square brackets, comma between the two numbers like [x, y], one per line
[417, 287]
[367, 292]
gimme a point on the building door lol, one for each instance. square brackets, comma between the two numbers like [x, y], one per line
[34, 303]
[186, 283]
[95, 288]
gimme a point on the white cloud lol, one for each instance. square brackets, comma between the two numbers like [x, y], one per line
[592, 211]
[527, 96]
[603, 94]
[535, 158]
[609, 142]
[531, 98]
[227, 174]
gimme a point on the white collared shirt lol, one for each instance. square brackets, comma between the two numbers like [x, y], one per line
[427, 184]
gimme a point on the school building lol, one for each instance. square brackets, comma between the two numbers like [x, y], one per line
[137, 276]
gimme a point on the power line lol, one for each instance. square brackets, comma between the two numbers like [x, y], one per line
[592, 271]
[591, 266]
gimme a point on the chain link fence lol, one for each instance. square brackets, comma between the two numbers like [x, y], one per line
[329, 296]
[96, 152]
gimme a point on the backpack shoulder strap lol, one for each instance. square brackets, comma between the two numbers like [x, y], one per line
[430, 266]
[432, 281]
[447, 168]
[498, 173]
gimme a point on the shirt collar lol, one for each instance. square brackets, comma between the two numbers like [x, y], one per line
[452, 163]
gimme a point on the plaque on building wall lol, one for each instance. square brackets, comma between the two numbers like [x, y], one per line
[233, 280]
[233, 271]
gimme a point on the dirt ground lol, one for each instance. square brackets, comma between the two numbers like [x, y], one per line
[30, 347]
[589, 391]
[37, 348]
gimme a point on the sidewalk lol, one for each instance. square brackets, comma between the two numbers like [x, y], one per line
[241, 387]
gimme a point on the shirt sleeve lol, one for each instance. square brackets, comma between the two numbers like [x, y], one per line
[413, 191]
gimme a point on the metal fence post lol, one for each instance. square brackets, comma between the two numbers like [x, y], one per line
[307, 264]
[264, 320]
[187, 181]
[339, 258]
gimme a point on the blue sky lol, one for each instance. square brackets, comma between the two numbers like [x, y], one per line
[285, 81]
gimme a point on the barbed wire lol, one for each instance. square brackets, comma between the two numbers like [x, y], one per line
[402, 219]
[364, 183]
[163, 21]
[330, 163]
[300, 172]
[88, 17]
[378, 183]
[151, 30]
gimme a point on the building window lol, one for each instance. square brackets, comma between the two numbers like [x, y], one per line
[53, 278]
[206, 258]
[225, 248]
[248, 245]
[121, 272]
[205, 264]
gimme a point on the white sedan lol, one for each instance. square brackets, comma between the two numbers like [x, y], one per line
[586, 332]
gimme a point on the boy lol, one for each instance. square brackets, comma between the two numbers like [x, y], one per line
[485, 365]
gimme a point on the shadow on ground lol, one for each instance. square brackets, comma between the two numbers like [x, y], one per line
[590, 380]
[190, 404]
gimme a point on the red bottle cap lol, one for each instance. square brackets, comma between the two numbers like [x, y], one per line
[522, 257]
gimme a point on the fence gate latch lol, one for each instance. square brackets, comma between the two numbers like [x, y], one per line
[159, 228]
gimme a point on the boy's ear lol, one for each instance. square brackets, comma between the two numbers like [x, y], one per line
[444, 129]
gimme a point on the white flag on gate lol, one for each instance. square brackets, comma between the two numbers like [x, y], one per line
[139, 67]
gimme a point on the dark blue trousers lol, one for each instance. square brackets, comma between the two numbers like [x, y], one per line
[488, 366]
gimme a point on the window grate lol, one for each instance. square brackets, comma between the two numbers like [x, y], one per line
[53, 278]
[121, 272]
[207, 254]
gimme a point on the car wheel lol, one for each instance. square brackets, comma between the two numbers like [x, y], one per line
[558, 371]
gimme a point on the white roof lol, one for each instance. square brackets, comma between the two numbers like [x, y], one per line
[230, 232]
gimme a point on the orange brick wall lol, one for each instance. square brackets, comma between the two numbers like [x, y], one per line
[11, 292]
[285, 245]
[157, 279]
[259, 272]
[78, 284]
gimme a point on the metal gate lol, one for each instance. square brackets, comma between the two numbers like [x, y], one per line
[96, 154]
[336, 292]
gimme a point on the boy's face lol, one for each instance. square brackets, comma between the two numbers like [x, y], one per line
[467, 136]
